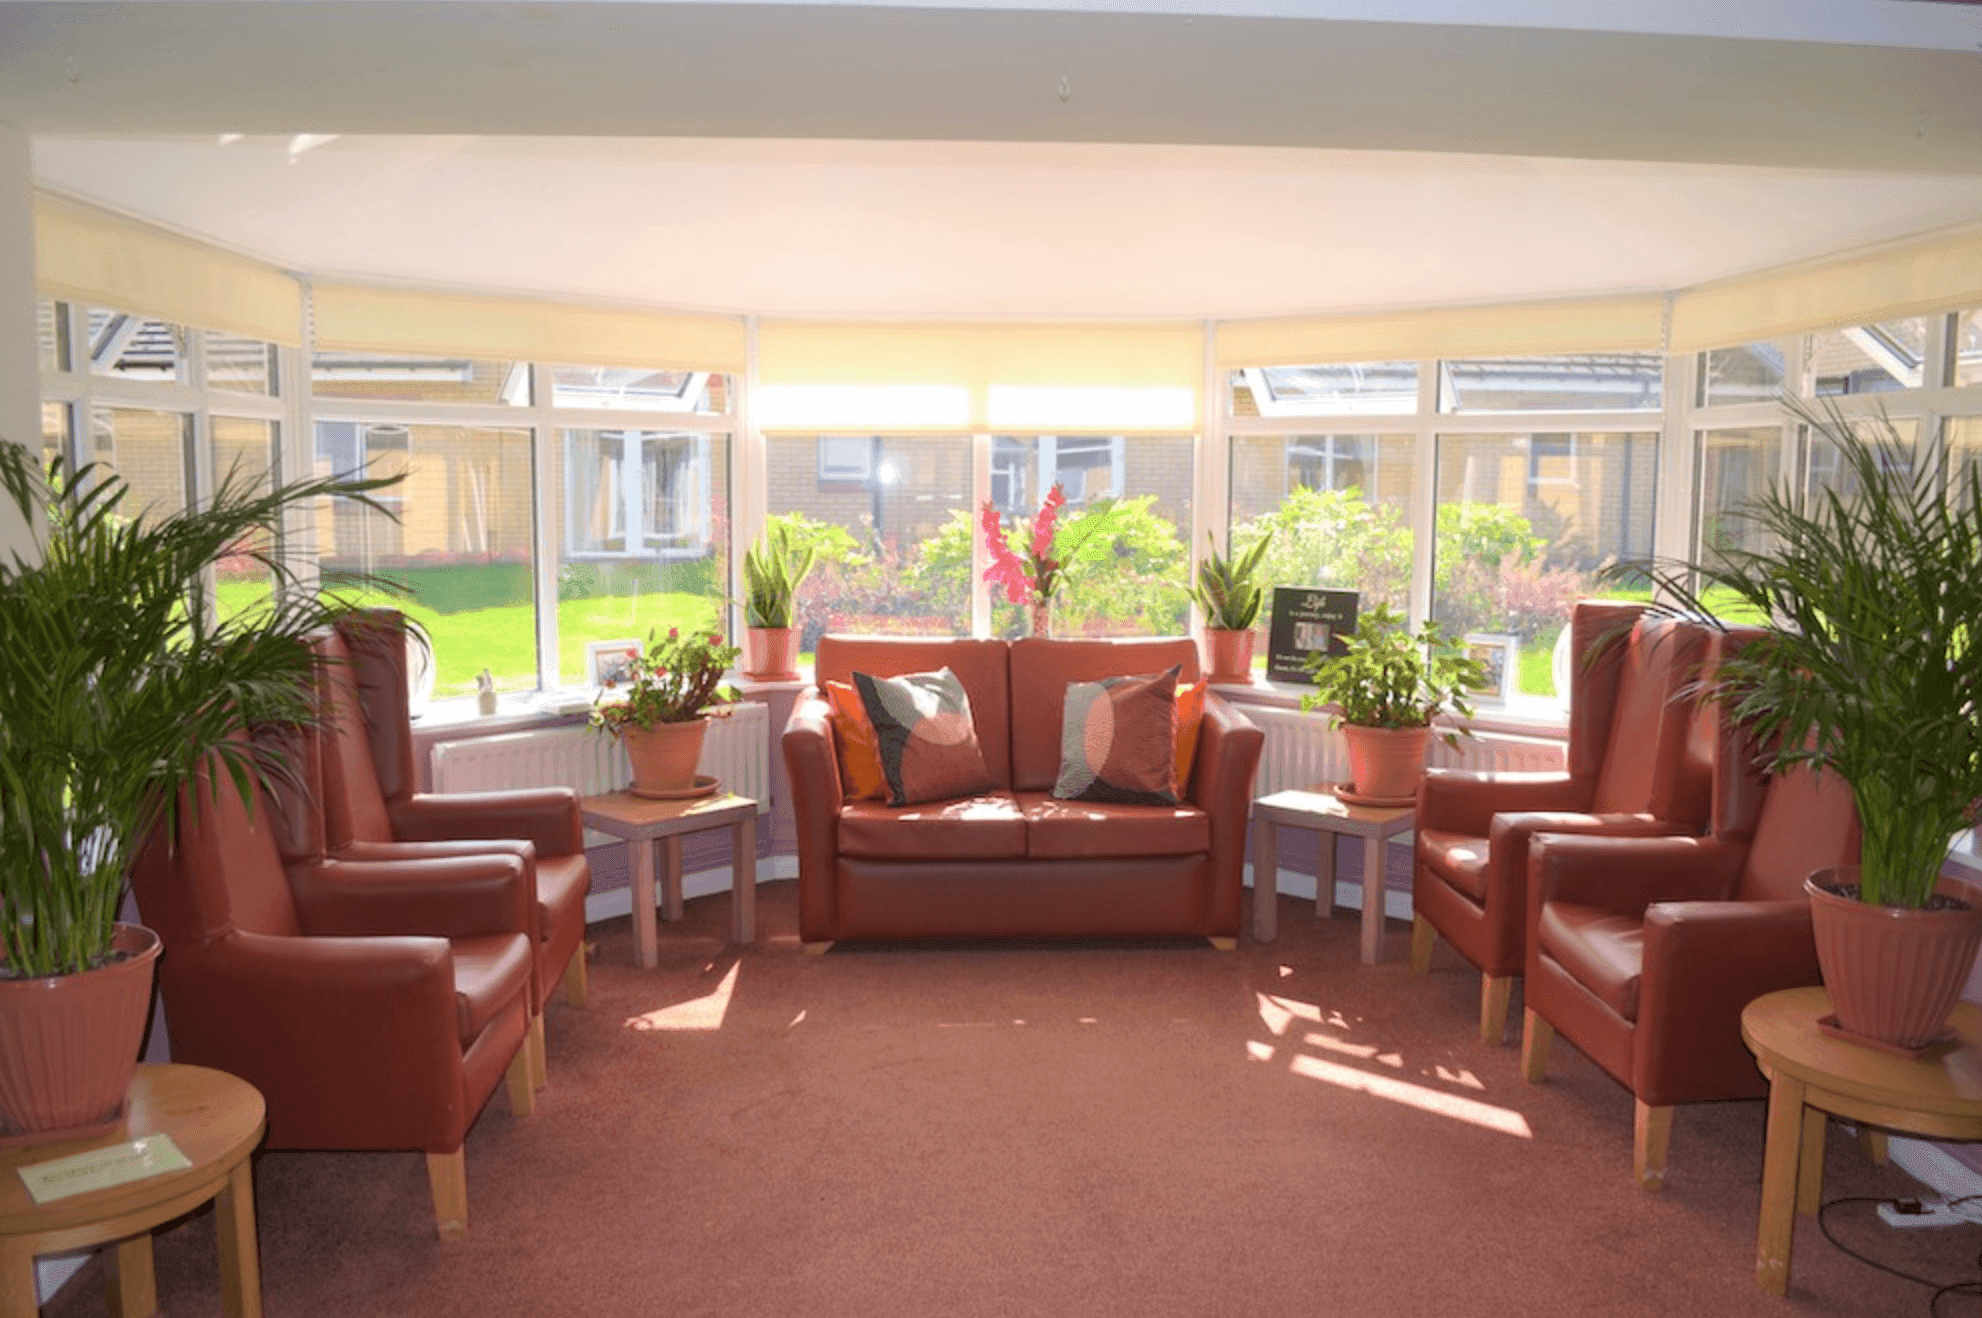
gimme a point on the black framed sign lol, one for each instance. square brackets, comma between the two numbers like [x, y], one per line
[1307, 620]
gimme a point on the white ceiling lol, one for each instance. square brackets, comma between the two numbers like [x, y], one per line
[1214, 160]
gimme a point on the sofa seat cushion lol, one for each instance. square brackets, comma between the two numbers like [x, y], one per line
[987, 826]
[1074, 830]
[1599, 949]
[490, 972]
[1458, 858]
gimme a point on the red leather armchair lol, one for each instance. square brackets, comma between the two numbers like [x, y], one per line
[1643, 951]
[375, 1006]
[1640, 762]
[373, 810]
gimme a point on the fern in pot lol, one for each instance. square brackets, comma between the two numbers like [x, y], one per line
[1869, 666]
[1386, 690]
[117, 686]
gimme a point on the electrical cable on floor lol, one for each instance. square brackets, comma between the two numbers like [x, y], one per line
[1941, 1290]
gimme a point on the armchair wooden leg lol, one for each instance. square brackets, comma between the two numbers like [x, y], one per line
[1222, 944]
[1536, 1035]
[535, 1052]
[817, 949]
[576, 989]
[447, 1173]
[1496, 997]
[1423, 939]
[1651, 1133]
[522, 1083]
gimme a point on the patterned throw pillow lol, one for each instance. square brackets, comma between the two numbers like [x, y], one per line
[859, 749]
[1118, 740]
[922, 727]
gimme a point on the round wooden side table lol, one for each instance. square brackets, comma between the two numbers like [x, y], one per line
[1813, 1076]
[216, 1120]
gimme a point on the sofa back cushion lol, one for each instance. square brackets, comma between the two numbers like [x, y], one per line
[1040, 672]
[980, 665]
[925, 735]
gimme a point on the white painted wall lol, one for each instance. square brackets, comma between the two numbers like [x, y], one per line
[20, 368]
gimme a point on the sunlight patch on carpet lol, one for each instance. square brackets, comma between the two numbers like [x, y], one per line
[1469, 1110]
[703, 1013]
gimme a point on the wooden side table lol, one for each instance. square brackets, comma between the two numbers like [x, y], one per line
[641, 821]
[1811, 1075]
[1327, 815]
[216, 1120]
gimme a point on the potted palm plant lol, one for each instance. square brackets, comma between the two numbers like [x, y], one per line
[662, 716]
[1386, 690]
[1229, 592]
[1869, 666]
[773, 570]
[118, 685]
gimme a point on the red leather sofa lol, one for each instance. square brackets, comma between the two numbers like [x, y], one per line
[1013, 861]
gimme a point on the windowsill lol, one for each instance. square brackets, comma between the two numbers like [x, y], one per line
[1525, 716]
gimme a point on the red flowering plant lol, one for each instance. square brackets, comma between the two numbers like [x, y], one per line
[1050, 546]
[673, 681]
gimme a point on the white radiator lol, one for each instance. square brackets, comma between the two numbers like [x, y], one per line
[736, 750]
[1303, 750]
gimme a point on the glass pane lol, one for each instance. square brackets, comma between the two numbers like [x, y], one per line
[1128, 579]
[1964, 452]
[1869, 359]
[1736, 468]
[643, 542]
[148, 449]
[243, 450]
[51, 320]
[1611, 382]
[461, 546]
[402, 377]
[1362, 388]
[1522, 524]
[1339, 510]
[634, 389]
[1826, 469]
[1752, 373]
[54, 432]
[245, 366]
[894, 538]
[133, 348]
[1968, 348]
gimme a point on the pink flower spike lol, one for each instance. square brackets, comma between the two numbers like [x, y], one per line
[1043, 525]
[1005, 570]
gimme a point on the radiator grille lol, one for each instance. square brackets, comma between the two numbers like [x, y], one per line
[736, 750]
[1303, 750]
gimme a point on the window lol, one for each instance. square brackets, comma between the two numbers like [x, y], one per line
[148, 449]
[1344, 388]
[239, 365]
[622, 388]
[847, 459]
[1964, 435]
[54, 432]
[1524, 521]
[1737, 466]
[1967, 344]
[52, 333]
[460, 549]
[1599, 382]
[133, 348]
[242, 448]
[401, 377]
[1825, 469]
[1752, 373]
[1869, 359]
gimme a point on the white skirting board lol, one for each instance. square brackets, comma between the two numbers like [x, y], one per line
[615, 902]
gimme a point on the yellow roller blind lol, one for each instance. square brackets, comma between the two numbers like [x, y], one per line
[1003, 377]
[94, 256]
[360, 318]
[1939, 273]
[1619, 324]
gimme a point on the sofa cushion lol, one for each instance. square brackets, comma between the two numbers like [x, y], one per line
[855, 746]
[1600, 949]
[1458, 858]
[1190, 721]
[982, 666]
[927, 741]
[1075, 830]
[1040, 671]
[988, 826]
[1118, 740]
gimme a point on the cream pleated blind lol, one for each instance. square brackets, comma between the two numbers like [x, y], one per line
[1620, 324]
[361, 318]
[1008, 378]
[96, 257]
[1939, 273]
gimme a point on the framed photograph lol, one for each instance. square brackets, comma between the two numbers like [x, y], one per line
[610, 662]
[1306, 621]
[1500, 655]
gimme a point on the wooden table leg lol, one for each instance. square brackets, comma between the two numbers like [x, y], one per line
[18, 1296]
[1780, 1156]
[1372, 899]
[1266, 881]
[743, 887]
[1324, 876]
[646, 941]
[240, 1259]
[133, 1282]
[1810, 1162]
[671, 877]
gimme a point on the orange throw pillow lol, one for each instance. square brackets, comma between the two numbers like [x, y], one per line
[1190, 714]
[859, 749]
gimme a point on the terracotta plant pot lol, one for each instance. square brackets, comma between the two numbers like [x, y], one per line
[1893, 972]
[1385, 763]
[664, 756]
[770, 654]
[1228, 654]
[69, 1043]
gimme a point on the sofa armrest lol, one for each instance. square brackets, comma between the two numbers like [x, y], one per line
[816, 798]
[1222, 786]
[547, 816]
[1466, 800]
[442, 896]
